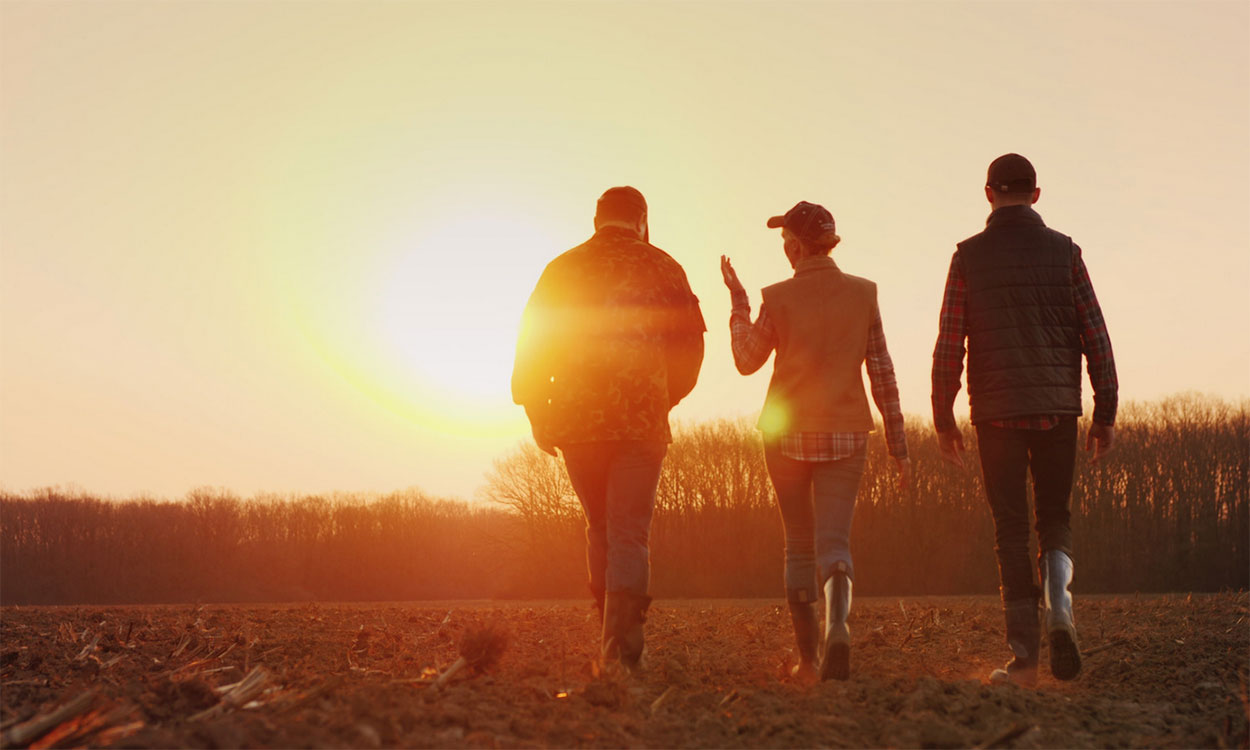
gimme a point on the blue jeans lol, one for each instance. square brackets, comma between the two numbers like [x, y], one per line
[616, 483]
[817, 501]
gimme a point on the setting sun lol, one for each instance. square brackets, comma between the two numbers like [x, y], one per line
[429, 349]
[286, 247]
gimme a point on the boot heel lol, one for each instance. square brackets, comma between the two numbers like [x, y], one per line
[1065, 658]
[837, 662]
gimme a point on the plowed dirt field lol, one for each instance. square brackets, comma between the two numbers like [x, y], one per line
[1166, 671]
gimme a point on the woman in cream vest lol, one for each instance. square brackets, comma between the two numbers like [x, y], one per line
[825, 327]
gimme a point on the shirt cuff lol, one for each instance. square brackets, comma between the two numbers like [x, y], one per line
[1104, 413]
[944, 422]
[740, 301]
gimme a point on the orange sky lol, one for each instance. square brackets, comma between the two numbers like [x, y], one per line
[283, 246]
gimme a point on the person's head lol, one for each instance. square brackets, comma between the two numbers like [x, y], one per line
[807, 229]
[1011, 181]
[622, 207]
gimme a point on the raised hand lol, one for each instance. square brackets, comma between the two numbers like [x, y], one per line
[730, 276]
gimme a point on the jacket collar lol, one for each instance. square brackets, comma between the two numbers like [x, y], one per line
[814, 263]
[1014, 216]
[613, 230]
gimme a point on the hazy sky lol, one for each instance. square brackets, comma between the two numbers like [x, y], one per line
[283, 246]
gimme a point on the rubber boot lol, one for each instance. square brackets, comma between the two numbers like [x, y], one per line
[836, 662]
[1060, 623]
[1024, 640]
[612, 611]
[806, 633]
[598, 595]
[623, 616]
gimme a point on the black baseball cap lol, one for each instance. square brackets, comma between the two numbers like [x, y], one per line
[807, 221]
[1011, 173]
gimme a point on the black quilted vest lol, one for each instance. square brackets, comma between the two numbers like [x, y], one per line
[1024, 338]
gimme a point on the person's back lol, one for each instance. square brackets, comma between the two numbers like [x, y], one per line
[611, 340]
[608, 311]
[822, 317]
[1020, 297]
[1024, 338]
[826, 328]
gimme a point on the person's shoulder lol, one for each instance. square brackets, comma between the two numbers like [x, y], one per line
[861, 282]
[666, 263]
[1058, 235]
[657, 254]
[969, 240]
[569, 257]
[773, 287]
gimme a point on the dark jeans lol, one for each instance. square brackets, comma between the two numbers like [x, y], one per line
[616, 482]
[817, 502]
[1006, 456]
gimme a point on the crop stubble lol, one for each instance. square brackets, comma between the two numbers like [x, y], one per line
[1161, 671]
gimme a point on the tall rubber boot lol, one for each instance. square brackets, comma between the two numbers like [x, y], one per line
[806, 633]
[613, 610]
[836, 662]
[598, 595]
[1060, 623]
[632, 641]
[623, 616]
[1024, 639]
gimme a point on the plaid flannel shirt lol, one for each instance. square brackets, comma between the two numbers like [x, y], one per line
[752, 345]
[948, 354]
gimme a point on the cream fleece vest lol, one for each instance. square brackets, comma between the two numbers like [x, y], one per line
[822, 318]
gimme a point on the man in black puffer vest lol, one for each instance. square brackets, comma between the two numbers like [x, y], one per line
[1020, 295]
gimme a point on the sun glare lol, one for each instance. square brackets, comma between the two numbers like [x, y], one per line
[446, 318]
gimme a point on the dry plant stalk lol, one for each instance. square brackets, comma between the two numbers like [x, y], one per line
[107, 723]
[82, 655]
[27, 732]
[480, 649]
[237, 694]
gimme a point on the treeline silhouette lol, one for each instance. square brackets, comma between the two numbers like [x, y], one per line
[1169, 510]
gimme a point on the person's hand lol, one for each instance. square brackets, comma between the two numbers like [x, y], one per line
[536, 427]
[904, 472]
[730, 276]
[951, 444]
[1100, 439]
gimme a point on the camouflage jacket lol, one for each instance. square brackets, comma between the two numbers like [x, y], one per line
[611, 339]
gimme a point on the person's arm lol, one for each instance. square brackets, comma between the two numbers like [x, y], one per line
[530, 376]
[885, 394]
[684, 347]
[948, 363]
[531, 369]
[1100, 361]
[1096, 343]
[885, 387]
[751, 343]
[948, 353]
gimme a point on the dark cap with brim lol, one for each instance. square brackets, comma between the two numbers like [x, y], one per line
[1011, 173]
[808, 221]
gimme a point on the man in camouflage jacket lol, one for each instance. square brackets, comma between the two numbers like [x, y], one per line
[611, 340]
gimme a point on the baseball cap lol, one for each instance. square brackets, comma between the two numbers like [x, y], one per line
[622, 201]
[807, 221]
[1011, 173]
